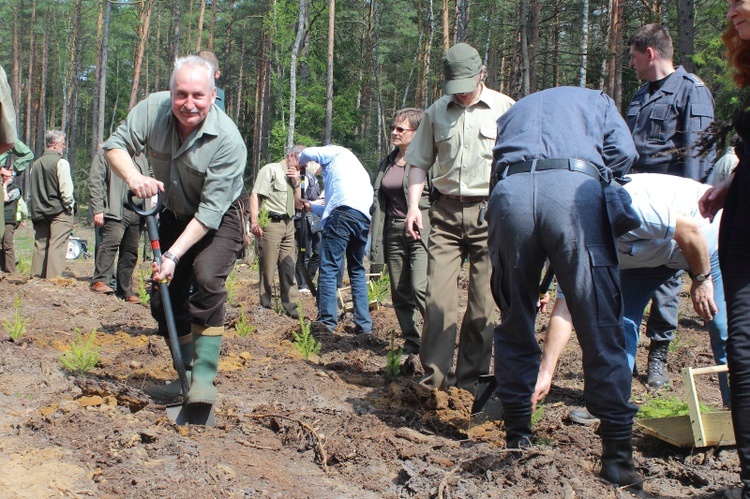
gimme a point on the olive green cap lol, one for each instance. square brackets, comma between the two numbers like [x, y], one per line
[461, 63]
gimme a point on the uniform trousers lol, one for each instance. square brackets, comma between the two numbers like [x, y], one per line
[8, 259]
[204, 267]
[559, 215]
[50, 245]
[121, 236]
[734, 249]
[279, 251]
[407, 269]
[457, 231]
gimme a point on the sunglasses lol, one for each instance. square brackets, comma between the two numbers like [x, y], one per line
[401, 129]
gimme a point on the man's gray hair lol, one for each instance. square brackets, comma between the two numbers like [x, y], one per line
[295, 149]
[52, 137]
[195, 61]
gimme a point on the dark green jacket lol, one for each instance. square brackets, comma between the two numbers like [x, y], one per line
[107, 191]
[12, 206]
[46, 200]
[378, 212]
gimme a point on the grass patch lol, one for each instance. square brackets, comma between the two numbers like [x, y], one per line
[140, 286]
[667, 407]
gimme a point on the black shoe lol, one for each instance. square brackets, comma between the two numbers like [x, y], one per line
[618, 466]
[582, 416]
[657, 364]
[517, 419]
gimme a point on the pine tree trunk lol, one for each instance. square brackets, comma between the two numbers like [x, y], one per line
[199, 36]
[584, 43]
[293, 71]
[329, 82]
[686, 33]
[144, 16]
[31, 79]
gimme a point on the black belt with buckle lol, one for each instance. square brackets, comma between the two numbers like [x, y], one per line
[277, 217]
[537, 165]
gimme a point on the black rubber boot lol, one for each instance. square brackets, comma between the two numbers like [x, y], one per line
[657, 364]
[517, 419]
[618, 466]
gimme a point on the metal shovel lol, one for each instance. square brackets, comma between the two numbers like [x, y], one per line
[180, 413]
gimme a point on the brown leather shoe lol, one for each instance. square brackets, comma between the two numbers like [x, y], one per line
[132, 299]
[101, 287]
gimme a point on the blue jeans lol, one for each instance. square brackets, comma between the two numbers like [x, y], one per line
[344, 233]
[638, 285]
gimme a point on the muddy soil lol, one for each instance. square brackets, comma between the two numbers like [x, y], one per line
[330, 426]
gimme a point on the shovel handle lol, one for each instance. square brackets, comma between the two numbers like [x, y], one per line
[139, 207]
[166, 300]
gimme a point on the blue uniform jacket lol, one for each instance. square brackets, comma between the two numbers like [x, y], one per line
[666, 124]
[564, 123]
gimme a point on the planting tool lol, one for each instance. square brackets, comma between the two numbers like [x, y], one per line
[489, 379]
[180, 413]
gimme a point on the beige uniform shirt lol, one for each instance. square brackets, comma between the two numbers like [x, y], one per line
[277, 193]
[7, 113]
[461, 140]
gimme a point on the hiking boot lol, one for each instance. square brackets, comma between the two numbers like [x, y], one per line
[582, 416]
[657, 364]
[618, 466]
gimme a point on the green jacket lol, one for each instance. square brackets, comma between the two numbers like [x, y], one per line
[377, 233]
[24, 156]
[108, 192]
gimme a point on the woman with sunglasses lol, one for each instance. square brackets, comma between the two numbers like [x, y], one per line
[391, 244]
[734, 238]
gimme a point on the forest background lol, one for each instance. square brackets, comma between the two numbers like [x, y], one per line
[324, 71]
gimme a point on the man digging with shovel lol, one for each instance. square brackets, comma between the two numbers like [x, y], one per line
[198, 159]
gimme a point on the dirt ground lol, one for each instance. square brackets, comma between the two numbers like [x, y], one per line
[330, 426]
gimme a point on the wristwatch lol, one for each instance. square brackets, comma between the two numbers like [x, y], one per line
[702, 277]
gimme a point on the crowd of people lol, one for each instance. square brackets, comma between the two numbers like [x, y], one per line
[615, 205]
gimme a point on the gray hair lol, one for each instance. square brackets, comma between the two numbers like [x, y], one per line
[52, 137]
[194, 61]
[295, 149]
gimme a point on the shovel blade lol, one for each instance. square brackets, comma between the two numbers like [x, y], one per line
[197, 414]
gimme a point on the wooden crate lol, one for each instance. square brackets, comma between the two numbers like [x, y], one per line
[695, 429]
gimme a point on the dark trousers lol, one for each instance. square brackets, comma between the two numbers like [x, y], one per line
[665, 307]
[734, 241]
[310, 258]
[558, 215]
[118, 236]
[8, 259]
[205, 267]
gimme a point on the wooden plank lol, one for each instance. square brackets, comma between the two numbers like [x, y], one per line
[694, 408]
[675, 430]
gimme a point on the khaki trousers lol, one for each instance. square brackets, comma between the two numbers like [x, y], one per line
[279, 251]
[456, 233]
[50, 246]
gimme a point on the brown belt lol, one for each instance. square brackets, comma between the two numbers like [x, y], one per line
[465, 199]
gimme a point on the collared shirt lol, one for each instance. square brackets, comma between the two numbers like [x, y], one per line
[565, 123]
[7, 112]
[667, 125]
[273, 185]
[461, 140]
[345, 179]
[24, 156]
[203, 175]
[659, 199]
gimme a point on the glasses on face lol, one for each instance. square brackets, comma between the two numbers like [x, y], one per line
[400, 129]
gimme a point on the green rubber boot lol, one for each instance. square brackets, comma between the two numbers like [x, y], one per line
[207, 343]
[173, 389]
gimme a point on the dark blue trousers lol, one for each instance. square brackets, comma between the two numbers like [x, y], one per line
[558, 215]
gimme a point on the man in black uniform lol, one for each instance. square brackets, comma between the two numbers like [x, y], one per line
[549, 202]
